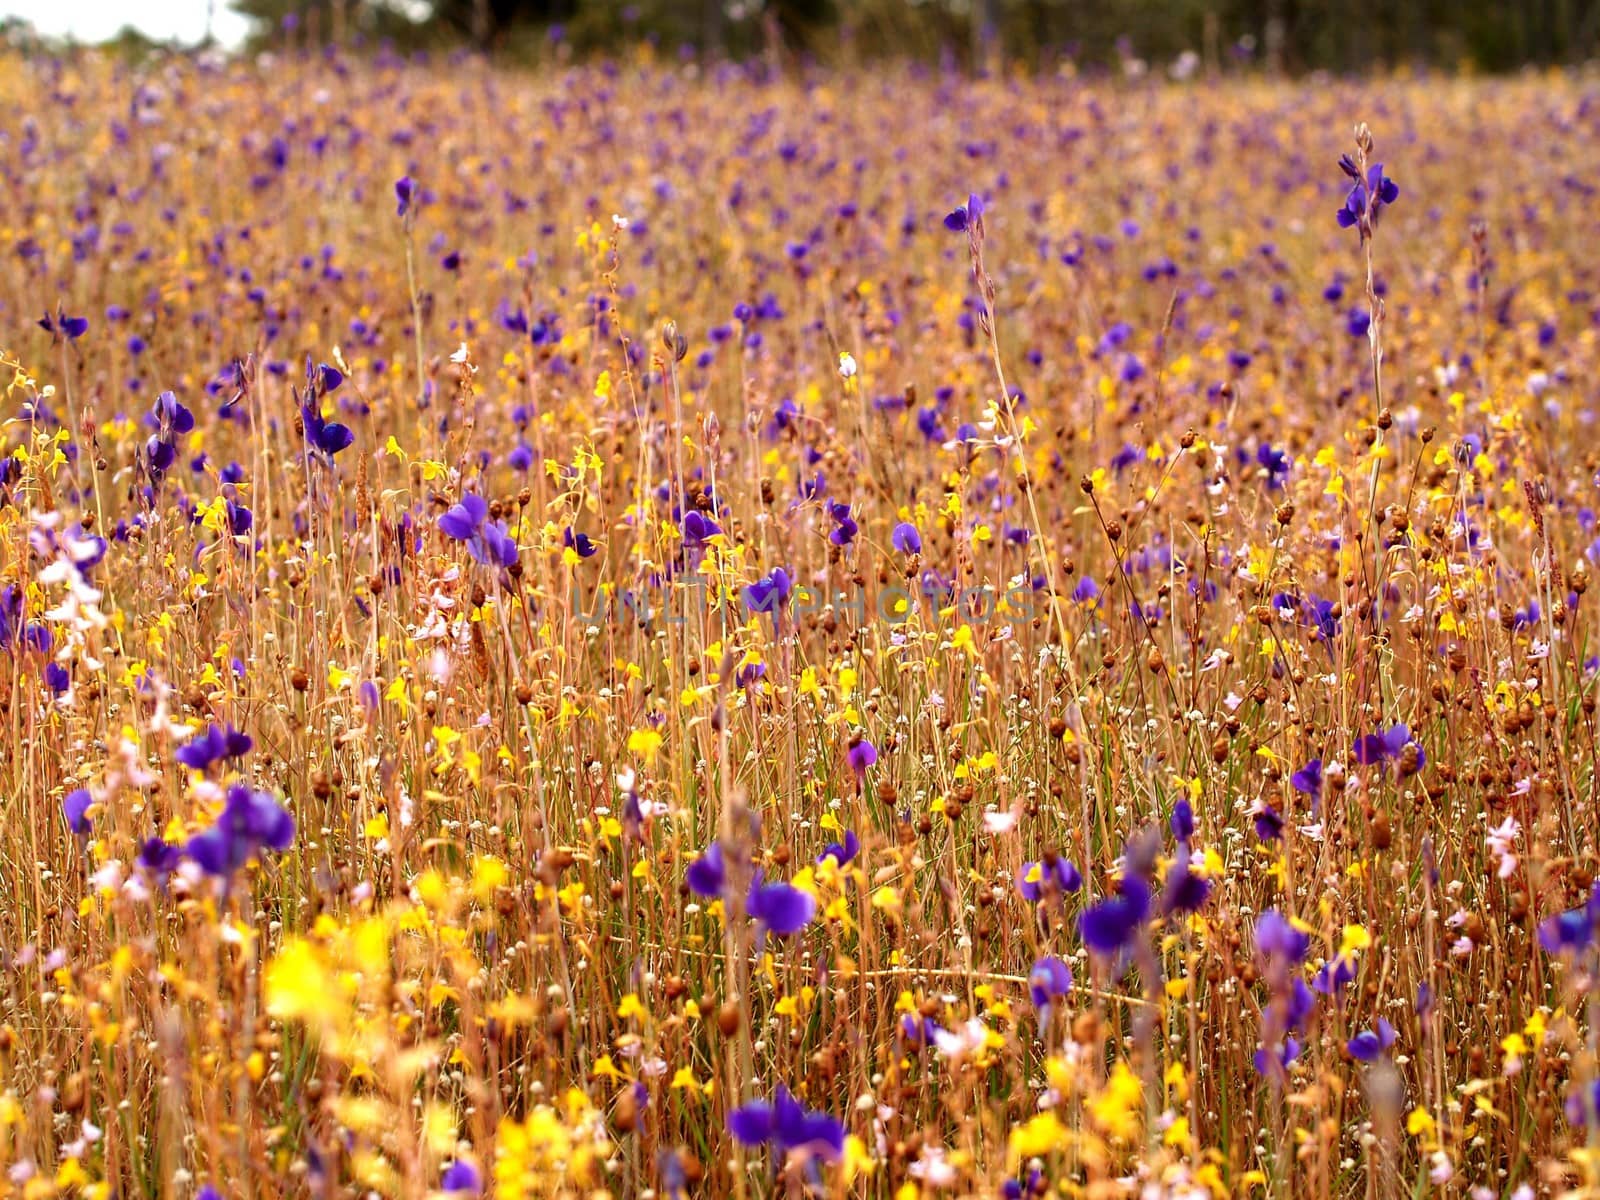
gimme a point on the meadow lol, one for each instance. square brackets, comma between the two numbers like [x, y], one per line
[662, 630]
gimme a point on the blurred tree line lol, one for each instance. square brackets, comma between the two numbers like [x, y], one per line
[1194, 35]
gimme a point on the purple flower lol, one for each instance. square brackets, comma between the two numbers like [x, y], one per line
[498, 547]
[707, 875]
[1334, 976]
[1274, 462]
[780, 908]
[462, 521]
[1183, 821]
[1424, 1005]
[906, 539]
[1058, 873]
[1185, 891]
[76, 809]
[159, 457]
[581, 543]
[1277, 939]
[1268, 821]
[159, 856]
[322, 379]
[405, 192]
[845, 526]
[1298, 1003]
[1087, 591]
[1369, 1044]
[61, 325]
[1583, 1104]
[842, 853]
[1049, 980]
[697, 529]
[1273, 1060]
[1285, 1015]
[1308, 779]
[326, 438]
[919, 1031]
[215, 744]
[965, 217]
[788, 1127]
[488, 542]
[770, 593]
[1386, 744]
[1109, 928]
[1572, 932]
[862, 754]
[249, 823]
[15, 632]
[1319, 616]
[171, 416]
[461, 1176]
[1367, 198]
[752, 1124]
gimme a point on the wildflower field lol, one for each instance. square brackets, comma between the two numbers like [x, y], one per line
[655, 630]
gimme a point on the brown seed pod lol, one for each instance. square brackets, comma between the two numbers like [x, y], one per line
[1380, 832]
[625, 1115]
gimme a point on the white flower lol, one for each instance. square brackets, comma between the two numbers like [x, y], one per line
[1000, 822]
[963, 1040]
[1443, 1170]
[109, 877]
[933, 1168]
[847, 365]
[1500, 840]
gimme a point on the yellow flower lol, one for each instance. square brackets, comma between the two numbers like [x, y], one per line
[297, 983]
[1116, 1109]
[488, 874]
[1042, 1135]
[646, 743]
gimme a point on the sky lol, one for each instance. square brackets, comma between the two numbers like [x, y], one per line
[95, 20]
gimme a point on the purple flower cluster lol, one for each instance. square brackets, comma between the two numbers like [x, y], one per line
[250, 822]
[488, 542]
[780, 909]
[787, 1127]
